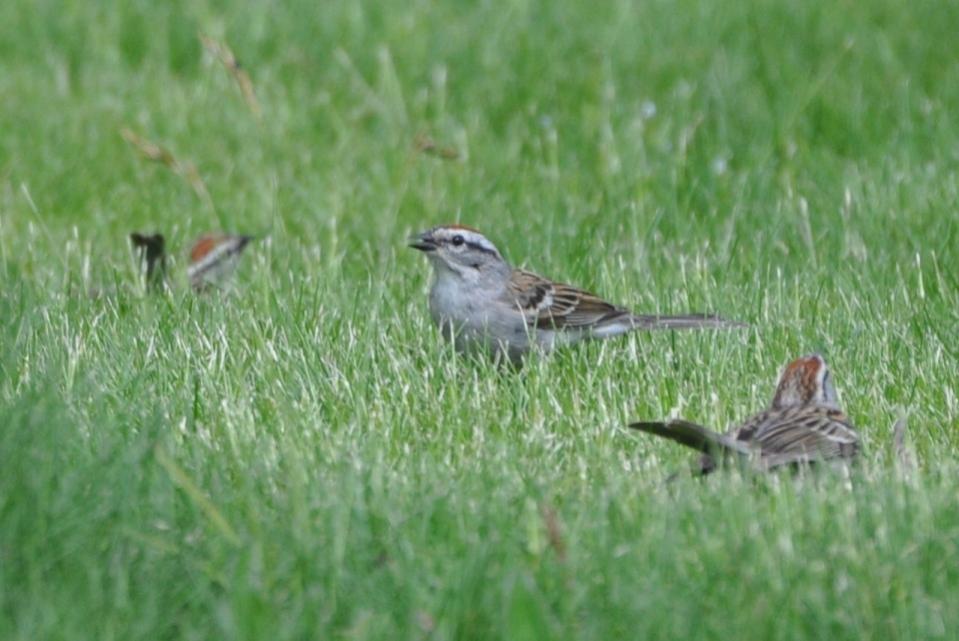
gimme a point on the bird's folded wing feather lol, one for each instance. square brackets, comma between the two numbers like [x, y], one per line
[694, 436]
[804, 434]
[549, 305]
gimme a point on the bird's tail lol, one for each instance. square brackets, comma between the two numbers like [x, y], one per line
[685, 321]
[714, 446]
[151, 253]
[692, 435]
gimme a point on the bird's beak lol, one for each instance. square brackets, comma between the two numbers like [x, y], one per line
[423, 242]
[243, 241]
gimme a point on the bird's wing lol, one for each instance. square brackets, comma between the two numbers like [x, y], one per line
[800, 435]
[549, 305]
[694, 436]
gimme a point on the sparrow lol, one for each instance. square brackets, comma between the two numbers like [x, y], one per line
[214, 258]
[480, 302]
[802, 425]
[150, 250]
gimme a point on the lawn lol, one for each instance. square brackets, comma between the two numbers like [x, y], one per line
[301, 457]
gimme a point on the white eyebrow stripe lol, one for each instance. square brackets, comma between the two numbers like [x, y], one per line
[474, 239]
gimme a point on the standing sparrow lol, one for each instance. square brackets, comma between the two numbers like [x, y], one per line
[151, 255]
[479, 300]
[213, 259]
[802, 425]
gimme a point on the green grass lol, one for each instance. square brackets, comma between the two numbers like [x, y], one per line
[303, 458]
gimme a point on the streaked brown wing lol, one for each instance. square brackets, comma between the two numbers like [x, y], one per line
[801, 434]
[550, 305]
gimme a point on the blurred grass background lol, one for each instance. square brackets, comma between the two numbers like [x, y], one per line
[303, 458]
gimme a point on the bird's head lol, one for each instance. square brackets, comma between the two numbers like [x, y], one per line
[805, 381]
[459, 250]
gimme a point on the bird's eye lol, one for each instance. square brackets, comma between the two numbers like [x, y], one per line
[458, 240]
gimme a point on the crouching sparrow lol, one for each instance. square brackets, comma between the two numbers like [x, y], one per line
[802, 425]
[214, 258]
[480, 302]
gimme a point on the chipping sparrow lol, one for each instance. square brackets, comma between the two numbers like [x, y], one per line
[478, 300]
[213, 259]
[151, 254]
[802, 425]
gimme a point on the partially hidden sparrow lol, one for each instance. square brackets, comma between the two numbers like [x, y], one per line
[214, 258]
[802, 425]
[150, 250]
[479, 301]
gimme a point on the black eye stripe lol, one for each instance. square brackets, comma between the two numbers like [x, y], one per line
[461, 241]
[479, 247]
